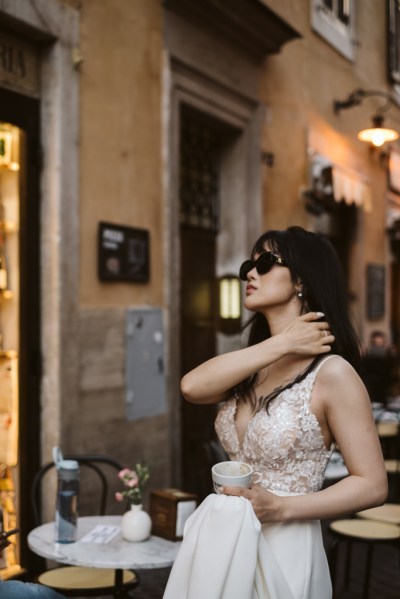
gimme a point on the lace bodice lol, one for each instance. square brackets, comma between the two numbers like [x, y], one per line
[285, 446]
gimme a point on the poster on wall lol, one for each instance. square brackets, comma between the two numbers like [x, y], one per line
[123, 253]
[375, 291]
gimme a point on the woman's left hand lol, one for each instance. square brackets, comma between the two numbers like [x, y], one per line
[267, 506]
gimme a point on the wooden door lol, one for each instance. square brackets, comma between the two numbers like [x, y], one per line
[198, 343]
[200, 152]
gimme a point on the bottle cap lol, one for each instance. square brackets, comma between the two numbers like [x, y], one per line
[68, 465]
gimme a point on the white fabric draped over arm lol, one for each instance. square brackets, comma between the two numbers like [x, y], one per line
[218, 555]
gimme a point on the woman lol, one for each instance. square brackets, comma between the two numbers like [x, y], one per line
[286, 406]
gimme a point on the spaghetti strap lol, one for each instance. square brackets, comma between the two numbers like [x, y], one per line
[323, 362]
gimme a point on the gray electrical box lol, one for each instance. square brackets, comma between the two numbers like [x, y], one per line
[145, 380]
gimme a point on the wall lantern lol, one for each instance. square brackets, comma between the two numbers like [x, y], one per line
[230, 304]
[378, 134]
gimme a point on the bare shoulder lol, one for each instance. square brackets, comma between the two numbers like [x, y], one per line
[337, 381]
[336, 366]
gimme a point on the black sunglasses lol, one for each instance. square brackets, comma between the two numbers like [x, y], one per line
[263, 264]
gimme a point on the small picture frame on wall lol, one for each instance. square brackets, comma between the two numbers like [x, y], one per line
[123, 253]
[375, 291]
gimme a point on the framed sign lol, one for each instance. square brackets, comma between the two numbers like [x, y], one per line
[375, 291]
[123, 253]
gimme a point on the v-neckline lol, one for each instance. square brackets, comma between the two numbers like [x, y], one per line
[250, 423]
[241, 444]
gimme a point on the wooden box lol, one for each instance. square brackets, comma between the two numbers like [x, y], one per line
[169, 510]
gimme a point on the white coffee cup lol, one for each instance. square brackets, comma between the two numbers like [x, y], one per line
[231, 474]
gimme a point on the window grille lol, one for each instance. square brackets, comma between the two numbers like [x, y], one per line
[200, 154]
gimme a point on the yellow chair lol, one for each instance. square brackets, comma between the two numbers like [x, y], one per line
[388, 512]
[368, 532]
[389, 435]
[387, 429]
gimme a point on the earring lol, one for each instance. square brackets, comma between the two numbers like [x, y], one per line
[299, 292]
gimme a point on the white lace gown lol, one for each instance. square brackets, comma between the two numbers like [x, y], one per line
[286, 448]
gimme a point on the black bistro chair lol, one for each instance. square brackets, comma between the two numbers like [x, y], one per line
[75, 581]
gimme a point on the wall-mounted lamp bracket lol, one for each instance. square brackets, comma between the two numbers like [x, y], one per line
[355, 98]
[358, 96]
[378, 134]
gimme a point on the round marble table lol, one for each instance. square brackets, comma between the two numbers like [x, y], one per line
[117, 553]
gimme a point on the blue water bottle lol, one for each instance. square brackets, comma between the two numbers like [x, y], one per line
[67, 499]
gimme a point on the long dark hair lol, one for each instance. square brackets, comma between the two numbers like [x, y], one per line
[313, 262]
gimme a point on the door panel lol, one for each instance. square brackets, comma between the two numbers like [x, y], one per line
[198, 343]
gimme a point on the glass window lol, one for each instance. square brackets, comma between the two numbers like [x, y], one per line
[343, 11]
[394, 40]
[334, 21]
[11, 152]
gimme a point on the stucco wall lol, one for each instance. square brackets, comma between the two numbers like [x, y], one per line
[120, 138]
[298, 87]
[120, 182]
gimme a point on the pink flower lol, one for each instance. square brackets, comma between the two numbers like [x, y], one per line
[125, 472]
[132, 482]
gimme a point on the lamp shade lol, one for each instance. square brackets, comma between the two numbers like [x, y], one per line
[229, 297]
[229, 304]
[378, 134]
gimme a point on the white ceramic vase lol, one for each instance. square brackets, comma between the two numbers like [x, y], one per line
[136, 524]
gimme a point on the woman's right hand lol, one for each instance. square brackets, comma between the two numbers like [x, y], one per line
[307, 334]
[211, 381]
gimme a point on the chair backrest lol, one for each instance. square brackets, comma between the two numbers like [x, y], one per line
[96, 465]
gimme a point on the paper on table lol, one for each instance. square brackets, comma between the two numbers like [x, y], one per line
[101, 533]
